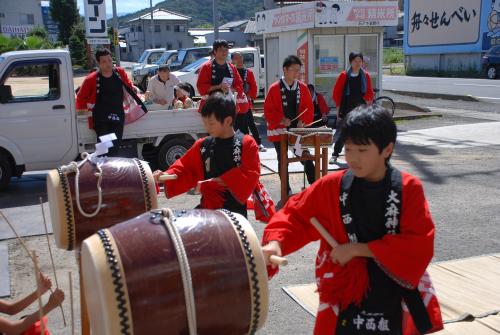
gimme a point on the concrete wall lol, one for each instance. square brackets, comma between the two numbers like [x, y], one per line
[12, 13]
[463, 62]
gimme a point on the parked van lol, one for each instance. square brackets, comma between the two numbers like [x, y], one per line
[142, 73]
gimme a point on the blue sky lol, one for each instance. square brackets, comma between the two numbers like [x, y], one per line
[122, 6]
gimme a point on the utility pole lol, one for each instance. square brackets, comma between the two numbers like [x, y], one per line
[152, 25]
[116, 41]
[216, 19]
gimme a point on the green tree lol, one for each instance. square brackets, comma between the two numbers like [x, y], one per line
[39, 31]
[65, 13]
[77, 45]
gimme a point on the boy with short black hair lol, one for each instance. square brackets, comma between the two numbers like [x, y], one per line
[380, 218]
[288, 104]
[224, 166]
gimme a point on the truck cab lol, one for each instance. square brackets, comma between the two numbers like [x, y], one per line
[40, 129]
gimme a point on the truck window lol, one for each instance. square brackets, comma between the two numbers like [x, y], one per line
[248, 60]
[34, 82]
[153, 58]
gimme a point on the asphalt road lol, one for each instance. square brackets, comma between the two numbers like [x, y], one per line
[484, 89]
[459, 174]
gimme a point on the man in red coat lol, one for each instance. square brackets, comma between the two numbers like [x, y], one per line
[218, 74]
[320, 106]
[352, 88]
[224, 166]
[288, 104]
[250, 88]
[102, 92]
[374, 280]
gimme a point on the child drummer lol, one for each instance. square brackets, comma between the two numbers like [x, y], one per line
[289, 104]
[224, 167]
[381, 220]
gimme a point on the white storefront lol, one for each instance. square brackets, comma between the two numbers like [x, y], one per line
[322, 34]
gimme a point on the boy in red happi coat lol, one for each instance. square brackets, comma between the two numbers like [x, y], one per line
[224, 166]
[375, 280]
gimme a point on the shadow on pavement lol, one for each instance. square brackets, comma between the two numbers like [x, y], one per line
[24, 191]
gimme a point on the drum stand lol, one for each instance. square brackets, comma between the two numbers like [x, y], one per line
[320, 159]
[84, 315]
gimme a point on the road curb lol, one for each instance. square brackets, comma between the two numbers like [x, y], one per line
[434, 95]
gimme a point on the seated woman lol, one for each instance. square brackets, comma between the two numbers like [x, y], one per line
[183, 97]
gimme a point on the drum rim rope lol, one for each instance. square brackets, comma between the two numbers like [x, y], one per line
[168, 220]
[68, 208]
[254, 275]
[117, 282]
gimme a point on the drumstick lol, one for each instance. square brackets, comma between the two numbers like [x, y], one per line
[39, 293]
[165, 177]
[51, 258]
[278, 260]
[305, 110]
[71, 303]
[322, 231]
[310, 124]
[17, 236]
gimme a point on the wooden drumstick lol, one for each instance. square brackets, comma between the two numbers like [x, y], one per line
[17, 236]
[322, 231]
[314, 122]
[305, 110]
[165, 177]
[39, 293]
[278, 260]
[70, 277]
[51, 258]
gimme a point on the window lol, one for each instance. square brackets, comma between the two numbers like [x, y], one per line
[34, 82]
[139, 29]
[2, 15]
[179, 28]
[132, 29]
[167, 27]
[27, 18]
[180, 44]
[248, 60]
[169, 46]
[157, 28]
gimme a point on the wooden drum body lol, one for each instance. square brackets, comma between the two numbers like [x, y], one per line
[307, 136]
[128, 190]
[133, 277]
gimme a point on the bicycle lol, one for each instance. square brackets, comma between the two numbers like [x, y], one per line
[385, 101]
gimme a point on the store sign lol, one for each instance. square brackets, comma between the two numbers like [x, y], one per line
[303, 54]
[321, 14]
[443, 22]
[285, 18]
[329, 65]
[23, 30]
[356, 14]
[95, 18]
[49, 24]
[100, 41]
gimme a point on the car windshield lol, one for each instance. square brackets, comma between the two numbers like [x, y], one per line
[194, 66]
[163, 59]
[143, 57]
[181, 55]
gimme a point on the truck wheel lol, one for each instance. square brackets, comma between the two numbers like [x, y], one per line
[492, 72]
[171, 151]
[5, 172]
[191, 91]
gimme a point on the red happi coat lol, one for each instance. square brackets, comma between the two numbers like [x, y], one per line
[240, 181]
[273, 110]
[204, 83]
[404, 256]
[252, 84]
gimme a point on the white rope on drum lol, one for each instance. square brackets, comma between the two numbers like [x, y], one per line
[75, 167]
[187, 281]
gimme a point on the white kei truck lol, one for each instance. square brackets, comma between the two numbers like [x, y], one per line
[40, 129]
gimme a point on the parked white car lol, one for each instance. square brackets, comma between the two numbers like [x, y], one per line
[251, 60]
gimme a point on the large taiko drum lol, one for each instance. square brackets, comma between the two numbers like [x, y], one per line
[306, 136]
[185, 272]
[127, 189]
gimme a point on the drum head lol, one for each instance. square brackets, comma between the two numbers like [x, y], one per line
[109, 308]
[260, 268]
[59, 196]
